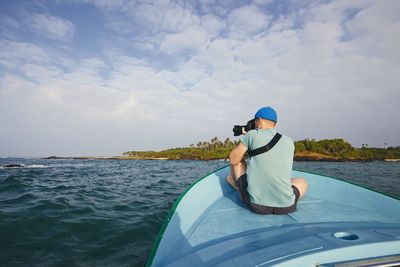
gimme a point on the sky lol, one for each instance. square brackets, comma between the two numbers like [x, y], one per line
[99, 77]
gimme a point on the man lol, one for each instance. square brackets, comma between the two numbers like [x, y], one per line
[264, 180]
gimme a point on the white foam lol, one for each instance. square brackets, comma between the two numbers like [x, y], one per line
[36, 166]
[22, 166]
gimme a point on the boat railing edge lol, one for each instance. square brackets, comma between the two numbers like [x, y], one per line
[349, 182]
[153, 251]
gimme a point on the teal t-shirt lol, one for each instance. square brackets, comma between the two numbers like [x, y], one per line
[268, 174]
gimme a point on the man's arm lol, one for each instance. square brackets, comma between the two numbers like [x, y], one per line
[237, 154]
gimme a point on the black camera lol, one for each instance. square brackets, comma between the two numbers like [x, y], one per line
[237, 129]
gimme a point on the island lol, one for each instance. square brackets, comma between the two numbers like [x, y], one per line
[331, 150]
[326, 150]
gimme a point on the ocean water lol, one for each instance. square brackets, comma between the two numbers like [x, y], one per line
[108, 212]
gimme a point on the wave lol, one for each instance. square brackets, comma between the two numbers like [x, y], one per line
[19, 166]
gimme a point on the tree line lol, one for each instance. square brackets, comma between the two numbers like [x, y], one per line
[216, 149]
[205, 150]
[342, 149]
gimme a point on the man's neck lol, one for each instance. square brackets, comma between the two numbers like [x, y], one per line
[266, 127]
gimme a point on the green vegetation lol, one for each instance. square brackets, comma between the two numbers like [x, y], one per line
[340, 149]
[215, 149]
[308, 149]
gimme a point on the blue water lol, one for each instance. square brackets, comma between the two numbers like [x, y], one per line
[108, 212]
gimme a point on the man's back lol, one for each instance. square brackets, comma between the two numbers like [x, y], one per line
[268, 174]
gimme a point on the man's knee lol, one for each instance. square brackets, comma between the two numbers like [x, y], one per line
[301, 184]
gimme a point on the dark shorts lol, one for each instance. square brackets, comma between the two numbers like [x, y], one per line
[260, 209]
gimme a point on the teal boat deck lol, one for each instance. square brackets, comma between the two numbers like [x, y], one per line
[335, 222]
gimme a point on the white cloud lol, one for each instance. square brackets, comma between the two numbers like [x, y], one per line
[212, 24]
[193, 39]
[149, 17]
[13, 53]
[93, 63]
[247, 20]
[376, 30]
[167, 26]
[52, 27]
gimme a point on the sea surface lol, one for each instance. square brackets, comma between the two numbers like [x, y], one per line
[109, 212]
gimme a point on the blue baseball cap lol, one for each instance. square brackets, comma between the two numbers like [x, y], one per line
[267, 113]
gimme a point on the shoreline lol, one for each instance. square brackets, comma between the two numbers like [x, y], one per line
[104, 158]
[296, 158]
